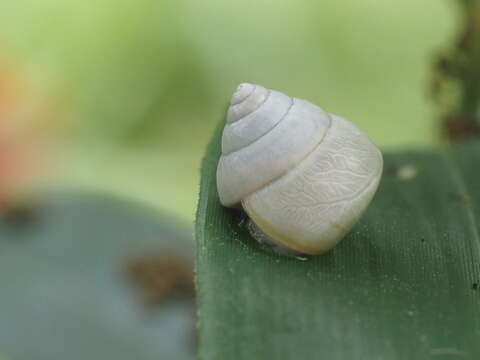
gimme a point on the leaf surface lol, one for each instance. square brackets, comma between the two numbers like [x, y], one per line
[66, 292]
[404, 284]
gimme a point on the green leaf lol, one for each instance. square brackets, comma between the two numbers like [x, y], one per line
[404, 284]
[65, 293]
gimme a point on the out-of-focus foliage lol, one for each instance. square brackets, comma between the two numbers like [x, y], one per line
[28, 119]
[456, 86]
[65, 289]
[144, 82]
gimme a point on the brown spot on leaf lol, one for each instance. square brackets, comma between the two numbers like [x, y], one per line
[18, 216]
[460, 198]
[160, 277]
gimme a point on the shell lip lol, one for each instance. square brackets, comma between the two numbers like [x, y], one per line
[278, 239]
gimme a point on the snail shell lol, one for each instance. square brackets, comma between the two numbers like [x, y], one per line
[303, 176]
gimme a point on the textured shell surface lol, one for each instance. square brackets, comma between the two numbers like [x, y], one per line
[303, 176]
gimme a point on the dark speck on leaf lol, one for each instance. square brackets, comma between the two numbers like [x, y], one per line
[460, 198]
[475, 286]
[19, 216]
[390, 170]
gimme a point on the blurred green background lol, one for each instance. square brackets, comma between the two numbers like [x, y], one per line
[138, 86]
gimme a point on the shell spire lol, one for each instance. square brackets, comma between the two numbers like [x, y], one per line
[243, 91]
[267, 133]
[246, 99]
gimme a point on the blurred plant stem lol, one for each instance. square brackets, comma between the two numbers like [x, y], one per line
[456, 86]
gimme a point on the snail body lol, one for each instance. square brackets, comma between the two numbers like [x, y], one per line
[303, 176]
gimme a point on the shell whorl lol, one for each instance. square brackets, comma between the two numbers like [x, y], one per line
[267, 134]
[253, 116]
[246, 99]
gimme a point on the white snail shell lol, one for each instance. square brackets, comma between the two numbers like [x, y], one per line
[303, 176]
